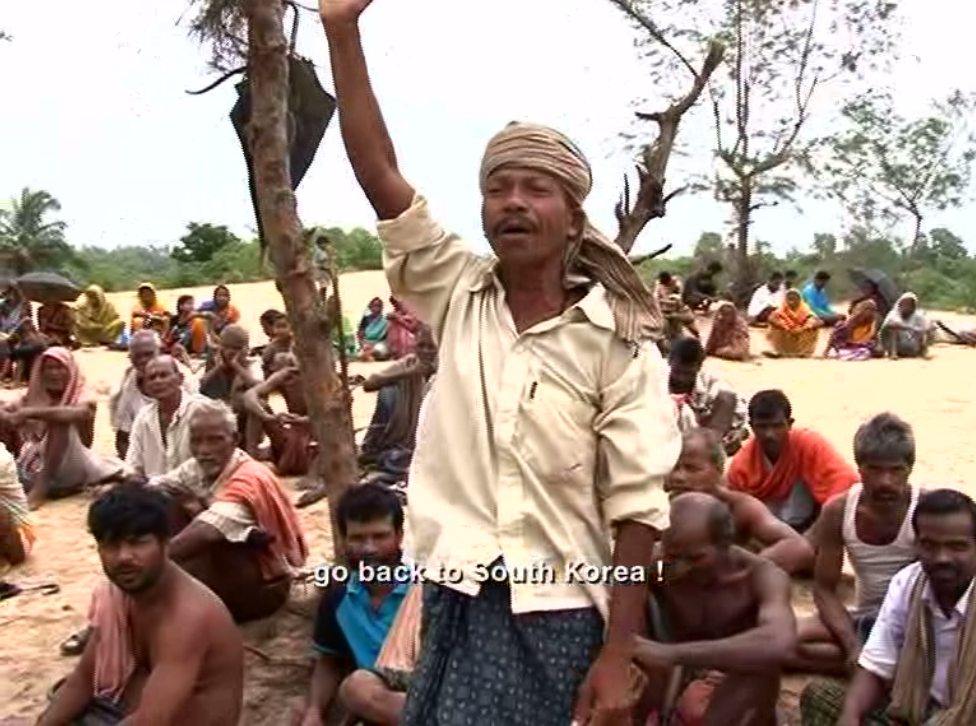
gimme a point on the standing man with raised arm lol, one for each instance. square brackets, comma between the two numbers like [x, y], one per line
[548, 428]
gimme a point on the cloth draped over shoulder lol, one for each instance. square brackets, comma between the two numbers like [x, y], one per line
[109, 614]
[916, 667]
[253, 485]
[592, 256]
[807, 457]
[401, 648]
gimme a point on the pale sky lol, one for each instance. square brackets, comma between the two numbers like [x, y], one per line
[95, 112]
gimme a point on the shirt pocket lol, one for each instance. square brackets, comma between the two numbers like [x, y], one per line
[554, 431]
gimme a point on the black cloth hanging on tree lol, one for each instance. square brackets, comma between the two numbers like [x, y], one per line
[310, 110]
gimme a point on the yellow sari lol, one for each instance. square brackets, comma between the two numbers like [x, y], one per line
[793, 328]
[97, 322]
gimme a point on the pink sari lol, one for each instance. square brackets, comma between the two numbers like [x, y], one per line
[401, 335]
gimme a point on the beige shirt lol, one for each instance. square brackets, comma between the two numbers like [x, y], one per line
[149, 454]
[530, 445]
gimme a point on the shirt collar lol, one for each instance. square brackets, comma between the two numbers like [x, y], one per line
[355, 586]
[594, 305]
[961, 606]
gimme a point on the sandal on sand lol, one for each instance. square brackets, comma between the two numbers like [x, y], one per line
[8, 590]
[75, 643]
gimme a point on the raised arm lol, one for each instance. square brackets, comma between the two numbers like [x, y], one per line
[423, 262]
[759, 650]
[827, 570]
[364, 131]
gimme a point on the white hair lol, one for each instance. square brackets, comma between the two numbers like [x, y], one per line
[148, 334]
[212, 407]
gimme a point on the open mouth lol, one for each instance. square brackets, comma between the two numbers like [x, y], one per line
[513, 227]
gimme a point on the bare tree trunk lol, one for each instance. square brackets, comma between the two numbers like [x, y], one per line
[328, 403]
[917, 237]
[745, 272]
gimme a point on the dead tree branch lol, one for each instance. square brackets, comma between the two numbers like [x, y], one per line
[650, 202]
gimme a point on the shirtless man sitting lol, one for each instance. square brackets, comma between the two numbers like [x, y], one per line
[289, 432]
[717, 608]
[872, 523]
[165, 650]
[700, 468]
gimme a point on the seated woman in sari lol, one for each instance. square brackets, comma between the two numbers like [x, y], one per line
[97, 322]
[187, 334]
[401, 334]
[729, 338]
[219, 311]
[148, 311]
[793, 328]
[906, 332]
[56, 324]
[51, 430]
[371, 334]
[857, 337]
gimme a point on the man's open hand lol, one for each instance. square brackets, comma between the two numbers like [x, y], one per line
[342, 11]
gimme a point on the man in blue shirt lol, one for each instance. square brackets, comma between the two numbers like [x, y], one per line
[815, 296]
[355, 616]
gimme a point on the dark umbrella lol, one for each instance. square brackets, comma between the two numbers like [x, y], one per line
[872, 279]
[48, 287]
[310, 109]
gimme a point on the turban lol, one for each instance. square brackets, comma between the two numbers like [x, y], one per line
[592, 255]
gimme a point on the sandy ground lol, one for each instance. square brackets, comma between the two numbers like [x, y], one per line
[834, 397]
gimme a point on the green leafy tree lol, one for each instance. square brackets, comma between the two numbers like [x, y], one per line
[357, 249]
[29, 238]
[780, 56]
[202, 241]
[710, 246]
[884, 167]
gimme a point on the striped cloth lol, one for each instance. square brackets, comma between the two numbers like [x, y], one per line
[592, 256]
[822, 701]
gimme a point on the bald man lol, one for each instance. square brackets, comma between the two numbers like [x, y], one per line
[721, 613]
[701, 468]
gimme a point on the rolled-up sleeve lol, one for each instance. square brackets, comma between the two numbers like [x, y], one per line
[639, 442]
[880, 653]
[423, 262]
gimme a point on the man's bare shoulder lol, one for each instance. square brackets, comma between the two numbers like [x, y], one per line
[194, 608]
[768, 579]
